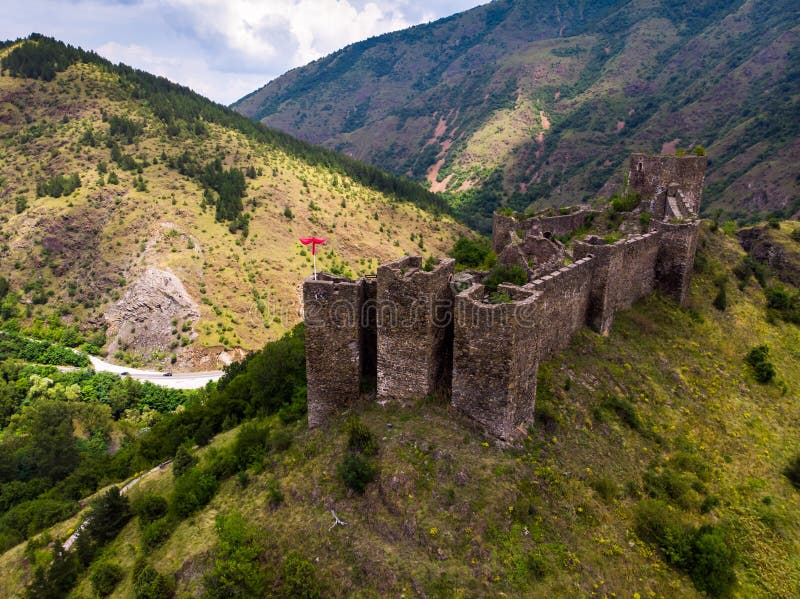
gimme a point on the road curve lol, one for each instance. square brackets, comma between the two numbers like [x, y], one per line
[179, 380]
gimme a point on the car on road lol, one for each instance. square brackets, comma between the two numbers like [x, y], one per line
[167, 374]
[123, 374]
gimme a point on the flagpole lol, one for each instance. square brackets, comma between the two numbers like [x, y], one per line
[313, 253]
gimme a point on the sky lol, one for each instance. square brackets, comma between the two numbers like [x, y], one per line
[223, 49]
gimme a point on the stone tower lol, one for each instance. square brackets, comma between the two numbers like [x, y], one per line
[415, 329]
[340, 342]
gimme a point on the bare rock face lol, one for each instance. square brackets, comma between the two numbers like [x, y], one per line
[152, 316]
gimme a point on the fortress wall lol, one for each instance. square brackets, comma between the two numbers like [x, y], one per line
[562, 306]
[414, 328]
[676, 258]
[564, 224]
[561, 224]
[494, 371]
[332, 307]
[502, 226]
[650, 176]
[624, 272]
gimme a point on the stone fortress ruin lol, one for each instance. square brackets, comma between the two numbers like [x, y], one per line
[413, 332]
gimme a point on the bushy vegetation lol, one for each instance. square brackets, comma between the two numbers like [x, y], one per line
[357, 469]
[473, 253]
[704, 553]
[58, 186]
[758, 359]
[501, 273]
[13, 346]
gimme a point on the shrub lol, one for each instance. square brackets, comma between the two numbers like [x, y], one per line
[795, 235]
[155, 533]
[150, 507]
[430, 263]
[704, 553]
[721, 299]
[606, 488]
[712, 560]
[472, 253]
[149, 583]
[500, 273]
[624, 410]
[299, 578]
[183, 461]
[758, 359]
[104, 577]
[192, 491]
[251, 443]
[792, 472]
[359, 437]
[356, 472]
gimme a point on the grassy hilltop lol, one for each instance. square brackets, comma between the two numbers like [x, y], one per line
[655, 469]
[171, 183]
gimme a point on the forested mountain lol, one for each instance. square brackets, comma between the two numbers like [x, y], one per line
[541, 101]
[137, 214]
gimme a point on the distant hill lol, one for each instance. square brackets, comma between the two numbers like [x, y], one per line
[516, 102]
[131, 205]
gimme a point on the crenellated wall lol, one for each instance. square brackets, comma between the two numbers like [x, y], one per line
[562, 305]
[414, 328]
[624, 272]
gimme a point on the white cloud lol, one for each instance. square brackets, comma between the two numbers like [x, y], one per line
[221, 48]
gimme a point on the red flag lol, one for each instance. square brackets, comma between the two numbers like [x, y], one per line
[312, 241]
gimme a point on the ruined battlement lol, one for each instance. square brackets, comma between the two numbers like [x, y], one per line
[671, 186]
[417, 333]
[414, 328]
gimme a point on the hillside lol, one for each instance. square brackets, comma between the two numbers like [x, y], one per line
[134, 208]
[518, 102]
[642, 437]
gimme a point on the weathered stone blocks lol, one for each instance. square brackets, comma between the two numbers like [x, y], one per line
[337, 343]
[658, 178]
[494, 369]
[415, 329]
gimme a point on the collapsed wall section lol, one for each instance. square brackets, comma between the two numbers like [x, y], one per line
[676, 258]
[623, 272]
[334, 344]
[561, 224]
[562, 305]
[414, 329]
[494, 369]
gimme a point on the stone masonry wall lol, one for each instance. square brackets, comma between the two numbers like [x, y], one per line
[676, 258]
[651, 177]
[561, 224]
[332, 307]
[562, 306]
[624, 272]
[414, 329]
[494, 370]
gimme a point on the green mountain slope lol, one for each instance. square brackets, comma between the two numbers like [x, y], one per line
[655, 458]
[520, 102]
[132, 206]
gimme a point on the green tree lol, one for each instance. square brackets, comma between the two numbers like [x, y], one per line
[51, 448]
[183, 461]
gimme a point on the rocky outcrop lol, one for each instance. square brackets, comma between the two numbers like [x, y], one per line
[151, 316]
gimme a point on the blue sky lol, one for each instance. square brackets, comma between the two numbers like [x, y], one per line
[223, 49]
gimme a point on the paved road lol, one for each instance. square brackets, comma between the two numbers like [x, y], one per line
[179, 380]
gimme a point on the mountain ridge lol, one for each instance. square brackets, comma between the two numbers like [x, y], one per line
[542, 105]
